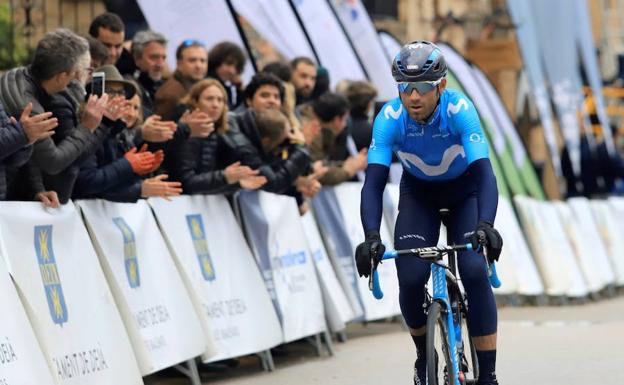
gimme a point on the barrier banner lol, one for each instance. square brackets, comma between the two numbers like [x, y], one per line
[361, 30]
[337, 308]
[348, 196]
[277, 239]
[608, 214]
[590, 235]
[21, 359]
[220, 272]
[554, 256]
[338, 245]
[583, 249]
[65, 295]
[153, 301]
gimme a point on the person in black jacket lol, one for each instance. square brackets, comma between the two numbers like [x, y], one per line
[53, 83]
[277, 150]
[215, 164]
[117, 170]
[16, 139]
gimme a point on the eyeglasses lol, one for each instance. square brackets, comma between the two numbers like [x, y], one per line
[190, 42]
[420, 87]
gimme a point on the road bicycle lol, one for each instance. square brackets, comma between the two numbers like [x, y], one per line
[447, 310]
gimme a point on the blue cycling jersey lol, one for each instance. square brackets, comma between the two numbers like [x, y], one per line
[440, 149]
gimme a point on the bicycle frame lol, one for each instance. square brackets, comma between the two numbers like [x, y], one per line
[439, 274]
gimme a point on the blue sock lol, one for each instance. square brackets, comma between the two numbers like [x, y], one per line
[487, 366]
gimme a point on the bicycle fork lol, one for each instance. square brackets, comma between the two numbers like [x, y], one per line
[440, 293]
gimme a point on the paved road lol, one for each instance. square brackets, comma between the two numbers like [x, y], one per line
[572, 345]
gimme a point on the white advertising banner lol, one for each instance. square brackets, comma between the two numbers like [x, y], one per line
[210, 22]
[338, 245]
[590, 235]
[526, 279]
[276, 22]
[391, 45]
[367, 44]
[329, 40]
[21, 359]
[337, 307]
[278, 241]
[70, 307]
[221, 272]
[583, 250]
[608, 215]
[348, 195]
[554, 256]
[155, 305]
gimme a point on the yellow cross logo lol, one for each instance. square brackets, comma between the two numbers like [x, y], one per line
[43, 245]
[207, 266]
[197, 231]
[56, 301]
[133, 272]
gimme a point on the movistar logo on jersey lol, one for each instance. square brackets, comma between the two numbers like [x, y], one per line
[450, 154]
[49, 274]
[390, 112]
[130, 255]
[455, 108]
[198, 234]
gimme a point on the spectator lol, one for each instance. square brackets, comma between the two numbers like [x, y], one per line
[212, 165]
[308, 186]
[284, 73]
[226, 64]
[61, 60]
[192, 65]
[321, 85]
[149, 50]
[98, 51]
[108, 28]
[117, 170]
[361, 96]
[279, 69]
[263, 91]
[332, 110]
[278, 151]
[303, 78]
[16, 138]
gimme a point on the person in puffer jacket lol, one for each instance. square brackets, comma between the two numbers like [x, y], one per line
[218, 163]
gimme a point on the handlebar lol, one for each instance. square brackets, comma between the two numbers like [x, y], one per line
[432, 254]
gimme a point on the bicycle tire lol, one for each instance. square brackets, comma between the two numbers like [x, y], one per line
[438, 351]
[471, 374]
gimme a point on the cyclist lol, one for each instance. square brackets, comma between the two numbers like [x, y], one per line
[437, 135]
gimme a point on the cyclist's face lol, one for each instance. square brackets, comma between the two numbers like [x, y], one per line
[420, 107]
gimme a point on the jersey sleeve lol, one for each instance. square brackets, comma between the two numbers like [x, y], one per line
[385, 132]
[465, 122]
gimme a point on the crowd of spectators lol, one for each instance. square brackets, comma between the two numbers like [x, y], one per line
[159, 131]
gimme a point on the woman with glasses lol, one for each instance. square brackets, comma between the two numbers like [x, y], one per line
[437, 135]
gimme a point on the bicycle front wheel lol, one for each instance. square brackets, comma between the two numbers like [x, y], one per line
[439, 363]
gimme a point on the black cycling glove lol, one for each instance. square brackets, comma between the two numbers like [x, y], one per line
[368, 252]
[486, 235]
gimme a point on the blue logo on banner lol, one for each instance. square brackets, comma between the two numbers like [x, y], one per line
[49, 274]
[196, 227]
[130, 255]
